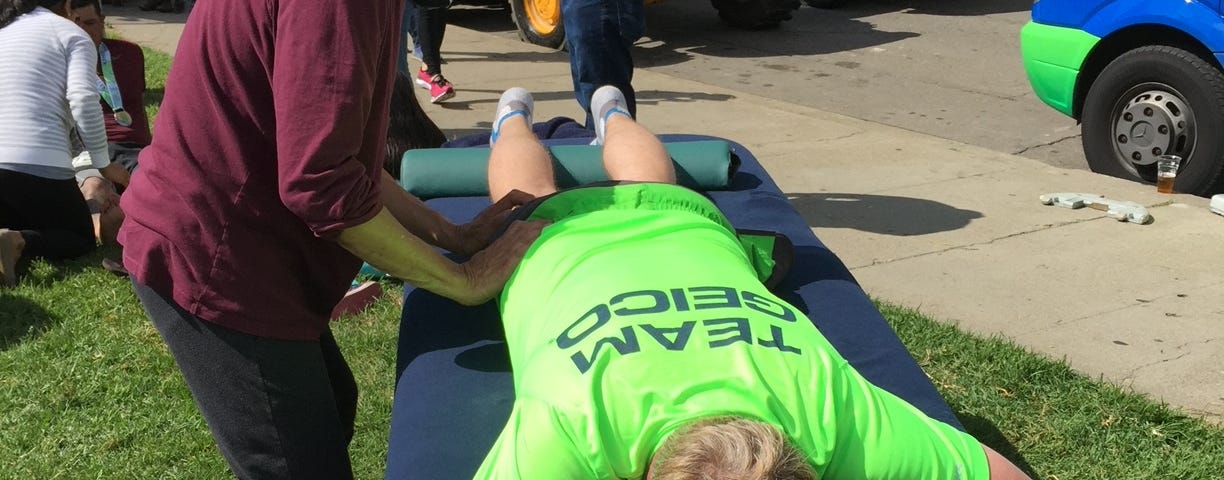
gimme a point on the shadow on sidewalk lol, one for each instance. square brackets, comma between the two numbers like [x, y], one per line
[862, 8]
[686, 26]
[679, 28]
[490, 97]
[520, 59]
[676, 30]
[492, 18]
[883, 214]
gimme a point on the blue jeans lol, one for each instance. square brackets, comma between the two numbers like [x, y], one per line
[408, 37]
[599, 35]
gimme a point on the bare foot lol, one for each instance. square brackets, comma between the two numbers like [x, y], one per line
[11, 245]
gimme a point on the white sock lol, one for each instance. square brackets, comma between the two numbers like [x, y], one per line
[515, 101]
[607, 101]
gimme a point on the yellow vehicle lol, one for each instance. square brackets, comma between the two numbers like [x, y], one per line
[539, 21]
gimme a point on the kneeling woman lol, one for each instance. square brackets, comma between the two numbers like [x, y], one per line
[47, 69]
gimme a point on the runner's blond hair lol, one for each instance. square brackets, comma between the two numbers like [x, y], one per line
[729, 448]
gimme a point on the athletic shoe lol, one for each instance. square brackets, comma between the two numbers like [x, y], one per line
[607, 101]
[515, 101]
[439, 88]
[422, 79]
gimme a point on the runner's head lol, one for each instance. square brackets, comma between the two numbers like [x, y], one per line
[726, 448]
[88, 15]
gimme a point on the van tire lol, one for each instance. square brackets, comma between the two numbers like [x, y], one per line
[1157, 100]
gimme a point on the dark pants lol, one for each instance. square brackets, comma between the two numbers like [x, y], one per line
[424, 27]
[50, 214]
[126, 154]
[599, 35]
[277, 409]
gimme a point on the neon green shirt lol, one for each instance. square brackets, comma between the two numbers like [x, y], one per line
[630, 317]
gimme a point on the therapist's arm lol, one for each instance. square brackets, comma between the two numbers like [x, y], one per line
[420, 220]
[431, 226]
[319, 175]
[384, 243]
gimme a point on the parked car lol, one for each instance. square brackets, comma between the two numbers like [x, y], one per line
[539, 21]
[1144, 79]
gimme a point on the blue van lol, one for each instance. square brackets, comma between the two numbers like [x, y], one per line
[1144, 79]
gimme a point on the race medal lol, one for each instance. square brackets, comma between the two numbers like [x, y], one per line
[108, 88]
[123, 118]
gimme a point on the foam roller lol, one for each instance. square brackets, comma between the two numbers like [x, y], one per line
[462, 172]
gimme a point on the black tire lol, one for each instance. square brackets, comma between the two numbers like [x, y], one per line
[1157, 100]
[825, 3]
[539, 23]
[755, 14]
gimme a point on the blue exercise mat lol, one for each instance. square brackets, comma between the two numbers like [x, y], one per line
[454, 389]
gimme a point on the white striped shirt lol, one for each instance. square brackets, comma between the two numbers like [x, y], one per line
[48, 85]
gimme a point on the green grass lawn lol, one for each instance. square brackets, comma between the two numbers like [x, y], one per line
[88, 390]
[156, 66]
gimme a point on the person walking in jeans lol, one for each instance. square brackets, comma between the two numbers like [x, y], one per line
[599, 35]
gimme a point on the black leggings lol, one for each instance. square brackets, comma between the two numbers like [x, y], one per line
[50, 214]
[431, 26]
[278, 409]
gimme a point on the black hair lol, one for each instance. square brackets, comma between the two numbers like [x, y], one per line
[85, 3]
[409, 127]
[11, 9]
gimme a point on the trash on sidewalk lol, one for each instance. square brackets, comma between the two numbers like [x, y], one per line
[1121, 210]
[1217, 204]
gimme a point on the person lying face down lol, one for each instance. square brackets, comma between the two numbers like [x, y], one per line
[645, 345]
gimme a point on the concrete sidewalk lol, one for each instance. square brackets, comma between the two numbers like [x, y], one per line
[950, 229]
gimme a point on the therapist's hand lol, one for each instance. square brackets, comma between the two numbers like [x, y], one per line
[488, 270]
[474, 236]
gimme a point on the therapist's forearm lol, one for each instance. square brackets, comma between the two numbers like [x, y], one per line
[420, 220]
[385, 244]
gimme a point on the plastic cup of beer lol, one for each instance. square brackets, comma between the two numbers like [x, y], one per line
[1166, 172]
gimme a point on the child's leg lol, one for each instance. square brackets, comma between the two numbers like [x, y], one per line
[630, 152]
[518, 160]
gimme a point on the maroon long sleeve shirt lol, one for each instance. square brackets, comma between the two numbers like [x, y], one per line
[268, 143]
